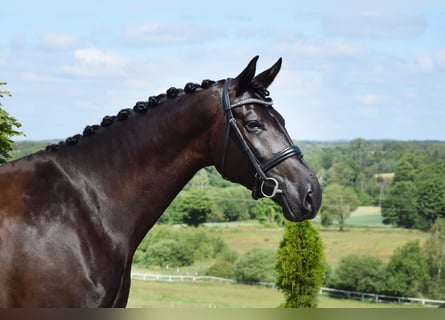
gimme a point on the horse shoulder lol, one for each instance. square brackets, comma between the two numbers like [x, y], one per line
[49, 242]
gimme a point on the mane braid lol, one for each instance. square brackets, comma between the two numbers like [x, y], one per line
[140, 107]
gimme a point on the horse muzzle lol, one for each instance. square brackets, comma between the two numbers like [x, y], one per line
[301, 202]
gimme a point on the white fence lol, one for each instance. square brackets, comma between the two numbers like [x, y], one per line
[371, 297]
[172, 278]
[378, 298]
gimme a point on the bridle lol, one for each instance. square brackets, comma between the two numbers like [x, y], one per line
[261, 179]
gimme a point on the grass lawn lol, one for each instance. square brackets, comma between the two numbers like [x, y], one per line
[379, 243]
[366, 217]
[243, 238]
[148, 294]
[364, 235]
[200, 295]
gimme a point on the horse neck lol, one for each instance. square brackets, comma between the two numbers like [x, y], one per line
[135, 168]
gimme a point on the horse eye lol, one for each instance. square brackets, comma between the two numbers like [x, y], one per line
[254, 125]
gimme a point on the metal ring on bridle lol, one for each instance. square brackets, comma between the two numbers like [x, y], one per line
[275, 189]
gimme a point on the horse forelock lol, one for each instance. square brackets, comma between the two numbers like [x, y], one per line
[141, 107]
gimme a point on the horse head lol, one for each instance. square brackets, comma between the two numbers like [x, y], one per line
[256, 149]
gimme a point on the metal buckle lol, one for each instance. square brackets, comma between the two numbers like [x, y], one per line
[275, 189]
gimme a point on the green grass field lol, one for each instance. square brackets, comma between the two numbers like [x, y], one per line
[147, 294]
[362, 217]
[364, 235]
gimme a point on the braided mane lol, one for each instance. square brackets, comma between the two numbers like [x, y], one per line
[140, 107]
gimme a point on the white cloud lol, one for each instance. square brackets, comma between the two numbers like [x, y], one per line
[428, 62]
[369, 113]
[370, 99]
[424, 63]
[321, 56]
[439, 58]
[4, 56]
[323, 49]
[38, 77]
[374, 24]
[53, 40]
[92, 62]
[167, 34]
[92, 56]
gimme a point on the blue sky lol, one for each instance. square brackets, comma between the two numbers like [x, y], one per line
[351, 69]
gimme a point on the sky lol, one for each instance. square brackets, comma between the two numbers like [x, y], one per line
[351, 69]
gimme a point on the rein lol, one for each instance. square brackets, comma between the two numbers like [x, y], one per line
[260, 176]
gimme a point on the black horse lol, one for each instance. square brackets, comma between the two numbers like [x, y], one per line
[72, 216]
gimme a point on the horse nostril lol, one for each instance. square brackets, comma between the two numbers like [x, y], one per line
[308, 201]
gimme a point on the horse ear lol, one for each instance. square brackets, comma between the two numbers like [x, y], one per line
[244, 79]
[265, 78]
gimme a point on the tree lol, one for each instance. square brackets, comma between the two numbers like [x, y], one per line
[417, 200]
[169, 253]
[431, 194]
[233, 203]
[343, 173]
[362, 160]
[407, 166]
[200, 180]
[407, 272]
[359, 273]
[300, 265]
[256, 265]
[8, 129]
[167, 245]
[195, 207]
[435, 250]
[360, 154]
[400, 206]
[268, 212]
[338, 203]
[383, 180]
[222, 269]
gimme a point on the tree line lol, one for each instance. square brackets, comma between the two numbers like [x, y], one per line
[416, 198]
[405, 178]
